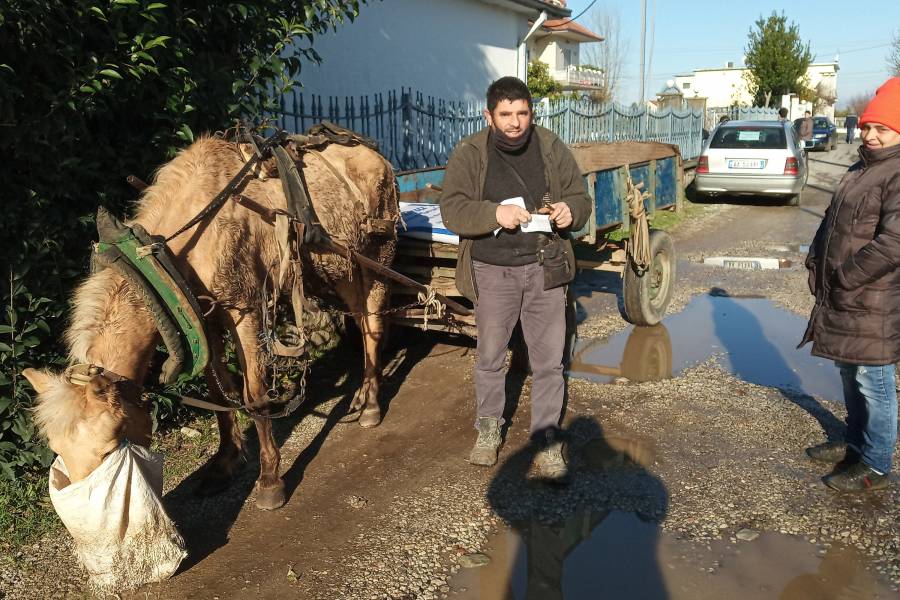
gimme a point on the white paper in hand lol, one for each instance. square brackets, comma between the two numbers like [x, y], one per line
[538, 222]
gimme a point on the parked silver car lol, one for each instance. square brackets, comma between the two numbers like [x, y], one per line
[758, 158]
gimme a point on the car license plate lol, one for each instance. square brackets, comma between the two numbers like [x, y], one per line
[746, 163]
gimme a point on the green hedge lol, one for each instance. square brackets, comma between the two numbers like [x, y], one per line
[91, 92]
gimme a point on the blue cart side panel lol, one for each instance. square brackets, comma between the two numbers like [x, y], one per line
[416, 186]
[642, 174]
[666, 182]
[607, 198]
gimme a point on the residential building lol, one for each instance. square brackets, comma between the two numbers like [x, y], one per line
[450, 49]
[558, 43]
[728, 86]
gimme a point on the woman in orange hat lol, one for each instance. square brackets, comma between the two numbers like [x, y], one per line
[854, 273]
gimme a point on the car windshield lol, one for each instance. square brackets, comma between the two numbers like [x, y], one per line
[750, 137]
[820, 123]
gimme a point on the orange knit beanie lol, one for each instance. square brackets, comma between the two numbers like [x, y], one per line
[885, 106]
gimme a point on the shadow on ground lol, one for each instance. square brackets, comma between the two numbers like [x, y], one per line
[596, 537]
[205, 522]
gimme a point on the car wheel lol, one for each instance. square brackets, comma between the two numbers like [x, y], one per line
[794, 200]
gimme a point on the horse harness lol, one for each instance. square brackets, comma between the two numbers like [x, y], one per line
[147, 262]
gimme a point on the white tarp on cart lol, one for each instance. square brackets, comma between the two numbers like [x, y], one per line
[423, 221]
[123, 536]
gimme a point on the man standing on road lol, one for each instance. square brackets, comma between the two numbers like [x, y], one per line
[854, 273]
[783, 114]
[850, 122]
[501, 273]
[806, 127]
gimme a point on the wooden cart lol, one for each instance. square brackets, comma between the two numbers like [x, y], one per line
[654, 167]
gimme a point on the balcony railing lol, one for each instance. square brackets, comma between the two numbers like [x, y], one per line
[578, 77]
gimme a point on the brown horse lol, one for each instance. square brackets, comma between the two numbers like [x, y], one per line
[228, 257]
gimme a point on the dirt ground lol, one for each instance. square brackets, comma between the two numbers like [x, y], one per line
[698, 480]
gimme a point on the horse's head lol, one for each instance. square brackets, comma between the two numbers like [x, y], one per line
[82, 423]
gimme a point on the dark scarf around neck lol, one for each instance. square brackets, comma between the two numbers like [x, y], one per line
[507, 144]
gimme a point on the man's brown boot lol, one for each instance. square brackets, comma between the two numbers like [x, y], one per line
[484, 452]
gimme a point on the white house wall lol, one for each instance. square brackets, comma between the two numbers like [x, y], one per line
[451, 49]
[549, 50]
[725, 87]
[722, 87]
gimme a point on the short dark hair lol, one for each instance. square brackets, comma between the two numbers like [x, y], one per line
[507, 88]
[782, 112]
[806, 112]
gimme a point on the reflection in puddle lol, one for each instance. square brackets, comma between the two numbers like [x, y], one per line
[756, 341]
[612, 554]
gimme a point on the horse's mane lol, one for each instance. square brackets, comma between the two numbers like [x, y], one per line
[103, 301]
[59, 409]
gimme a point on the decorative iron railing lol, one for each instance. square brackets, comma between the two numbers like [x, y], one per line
[417, 131]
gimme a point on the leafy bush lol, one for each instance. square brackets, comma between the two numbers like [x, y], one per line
[540, 83]
[91, 92]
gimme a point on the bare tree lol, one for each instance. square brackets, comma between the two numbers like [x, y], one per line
[893, 57]
[825, 96]
[857, 103]
[608, 55]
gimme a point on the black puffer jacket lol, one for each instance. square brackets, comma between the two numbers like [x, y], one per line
[853, 263]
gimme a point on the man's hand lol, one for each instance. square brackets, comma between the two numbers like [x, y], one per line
[511, 216]
[560, 214]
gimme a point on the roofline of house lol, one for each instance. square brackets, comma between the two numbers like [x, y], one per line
[816, 64]
[538, 5]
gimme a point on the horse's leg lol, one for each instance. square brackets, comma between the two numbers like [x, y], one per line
[377, 295]
[224, 463]
[354, 292]
[269, 487]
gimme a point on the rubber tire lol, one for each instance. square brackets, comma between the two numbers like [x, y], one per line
[794, 200]
[646, 296]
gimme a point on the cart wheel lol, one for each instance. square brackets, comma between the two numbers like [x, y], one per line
[646, 295]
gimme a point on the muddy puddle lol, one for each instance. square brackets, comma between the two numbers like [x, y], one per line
[613, 554]
[752, 338]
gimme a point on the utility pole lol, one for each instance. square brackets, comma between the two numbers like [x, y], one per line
[643, 46]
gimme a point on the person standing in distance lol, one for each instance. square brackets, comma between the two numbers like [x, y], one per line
[851, 122]
[501, 273]
[805, 132]
[854, 273]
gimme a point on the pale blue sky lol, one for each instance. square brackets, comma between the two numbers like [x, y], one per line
[707, 33]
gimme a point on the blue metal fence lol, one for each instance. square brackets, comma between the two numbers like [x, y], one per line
[754, 113]
[417, 131]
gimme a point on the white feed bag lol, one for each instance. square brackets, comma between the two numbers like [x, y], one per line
[123, 536]
[423, 221]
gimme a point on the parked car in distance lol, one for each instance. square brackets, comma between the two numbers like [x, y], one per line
[824, 133]
[755, 158]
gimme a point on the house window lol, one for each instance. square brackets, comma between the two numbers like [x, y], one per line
[686, 85]
[563, 58]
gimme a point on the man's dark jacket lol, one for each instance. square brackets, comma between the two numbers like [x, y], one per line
[467, 214]
[853, 265]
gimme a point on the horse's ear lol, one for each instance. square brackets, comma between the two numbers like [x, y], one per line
[39, 380]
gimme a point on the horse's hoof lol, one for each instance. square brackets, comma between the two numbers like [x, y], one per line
[370, 417]
[270, 498]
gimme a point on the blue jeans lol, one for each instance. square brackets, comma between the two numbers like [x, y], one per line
[871, 400]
